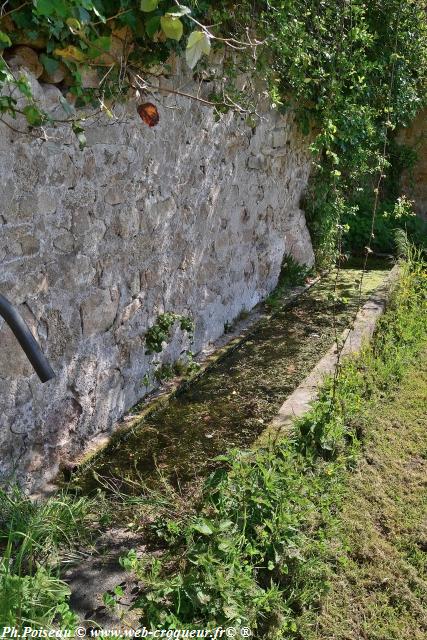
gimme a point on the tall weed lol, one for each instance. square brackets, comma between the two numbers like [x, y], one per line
[33, 535]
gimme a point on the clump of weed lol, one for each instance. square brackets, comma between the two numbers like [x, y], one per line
[165, 372]
[33, 536]
[229, 326]
[160, 331]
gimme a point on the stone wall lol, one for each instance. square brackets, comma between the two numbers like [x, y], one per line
[414, 183]
[192, 216]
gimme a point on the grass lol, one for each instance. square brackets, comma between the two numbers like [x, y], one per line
[265, 545]
[229, 405]
[35, 539]
[379, 589]
[310, 537]
[291, 275]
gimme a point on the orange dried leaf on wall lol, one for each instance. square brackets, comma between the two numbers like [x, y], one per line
[148, 113]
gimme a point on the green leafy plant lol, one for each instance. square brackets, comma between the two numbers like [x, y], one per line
[354, 77]
[164, 372]
[391, 216]
[160, 331]
[291, 274]
[256, 553]
[123, 43]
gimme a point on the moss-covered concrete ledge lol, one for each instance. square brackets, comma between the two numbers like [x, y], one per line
[240, 329]
[354, 337]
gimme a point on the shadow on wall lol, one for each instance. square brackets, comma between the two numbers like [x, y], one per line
[414, 183]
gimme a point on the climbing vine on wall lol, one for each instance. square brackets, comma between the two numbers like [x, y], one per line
[353, 70]
[97, 51]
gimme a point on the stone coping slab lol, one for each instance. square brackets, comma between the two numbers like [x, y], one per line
[301, 400]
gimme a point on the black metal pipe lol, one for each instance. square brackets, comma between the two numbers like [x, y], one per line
[26, 340]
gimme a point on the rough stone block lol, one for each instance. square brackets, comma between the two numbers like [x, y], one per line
[258, 162]
[279, 138]
[99, 311]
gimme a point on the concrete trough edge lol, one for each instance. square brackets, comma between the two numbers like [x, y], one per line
[301, 400]
[159, 397]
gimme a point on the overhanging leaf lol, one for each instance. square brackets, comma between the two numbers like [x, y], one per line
[33, 115]
[5, 41]
[52, 8]
[24, 86]
[181, 10]
[197, 45]
[70, 53]
[100, 45]
[172, 27]
[152, 26]
[149, 5]
[73, 24]
[50, 64]
[68, 108]
[7, 103]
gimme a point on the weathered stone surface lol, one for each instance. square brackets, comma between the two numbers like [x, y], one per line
[22, 56]
[98, 311]
[192, 216]
[13, 357]
[279, 138]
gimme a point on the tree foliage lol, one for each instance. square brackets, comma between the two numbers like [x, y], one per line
[355, 71]
[113, 44]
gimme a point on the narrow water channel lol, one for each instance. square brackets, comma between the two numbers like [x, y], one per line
[235, 398]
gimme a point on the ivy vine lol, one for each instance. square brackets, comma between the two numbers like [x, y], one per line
[353, 71]
[97, 52]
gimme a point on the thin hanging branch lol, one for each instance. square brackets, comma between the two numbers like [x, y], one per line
[368, 249]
